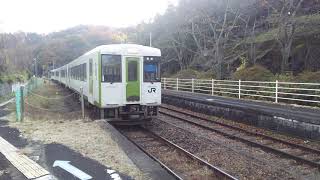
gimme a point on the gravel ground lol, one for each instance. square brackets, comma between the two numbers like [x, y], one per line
[286, 137]
[58, 121]
[176, 160]
[253, 138]
[235, 157]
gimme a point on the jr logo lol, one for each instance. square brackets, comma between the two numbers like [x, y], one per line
[152, 90]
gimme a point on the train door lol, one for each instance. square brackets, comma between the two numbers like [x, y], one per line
[95, 91]
[132, 79]
[90, 80]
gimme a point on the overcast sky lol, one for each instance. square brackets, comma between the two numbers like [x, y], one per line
[44, 16]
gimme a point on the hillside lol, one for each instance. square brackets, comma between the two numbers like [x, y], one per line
[18, 50]
[221, 37]
[212, 38]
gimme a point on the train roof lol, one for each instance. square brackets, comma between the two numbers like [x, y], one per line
[122, 49]
[126, 49]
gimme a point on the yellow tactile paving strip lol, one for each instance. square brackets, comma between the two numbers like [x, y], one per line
[25, 165]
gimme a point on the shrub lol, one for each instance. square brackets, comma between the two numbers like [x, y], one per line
[206, 75]
[186, 74]
[190, 73]
[254, 73]
[310, 77]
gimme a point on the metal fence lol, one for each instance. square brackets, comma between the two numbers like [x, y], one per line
[32, 84]
[284, 92]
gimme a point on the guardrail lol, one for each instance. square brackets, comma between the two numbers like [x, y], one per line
[285, 92]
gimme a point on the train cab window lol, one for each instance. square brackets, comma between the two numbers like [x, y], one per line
[111, 68]
[151, 69]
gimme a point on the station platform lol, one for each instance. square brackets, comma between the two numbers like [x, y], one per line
[298, 120]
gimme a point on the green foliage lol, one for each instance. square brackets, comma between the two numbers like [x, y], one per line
[254, 73]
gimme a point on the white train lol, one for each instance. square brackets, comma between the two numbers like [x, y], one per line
[122, 80]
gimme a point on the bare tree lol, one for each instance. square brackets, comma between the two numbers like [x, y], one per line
[221, 31]
[252, 49]
[287, 29]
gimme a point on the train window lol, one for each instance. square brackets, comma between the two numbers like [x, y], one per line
[111, 68]
[151, 69]
[90, 67]
[81, 72]
[132, 71]
[85, 71]
[63, 73]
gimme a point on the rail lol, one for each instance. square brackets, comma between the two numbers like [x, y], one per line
[277, 91]
[220, 174]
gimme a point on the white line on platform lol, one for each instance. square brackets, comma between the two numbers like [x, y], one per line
[71, 169]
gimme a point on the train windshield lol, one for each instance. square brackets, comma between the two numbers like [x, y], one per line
[151, 67]
[111, 68]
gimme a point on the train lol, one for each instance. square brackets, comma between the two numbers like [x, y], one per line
[121, 80]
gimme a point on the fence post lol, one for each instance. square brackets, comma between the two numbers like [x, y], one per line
[239, 89]
[192, 81]
[277, 86]
[212, 87]
[19, 104]
[82, 102]
[177, 84]
[164, 83]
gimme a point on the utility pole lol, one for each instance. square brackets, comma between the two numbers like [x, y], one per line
[150, 39]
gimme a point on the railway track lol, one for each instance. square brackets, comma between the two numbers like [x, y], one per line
[177, 161]
[281, 147]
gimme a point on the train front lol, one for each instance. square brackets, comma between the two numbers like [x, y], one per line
[151, 85]
[134, 94]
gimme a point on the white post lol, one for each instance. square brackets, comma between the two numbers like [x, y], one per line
[277, 86]
[239, 89]
[212, 87]
[192, 85]
[177, 84]
[82, 102]
[164, 83]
